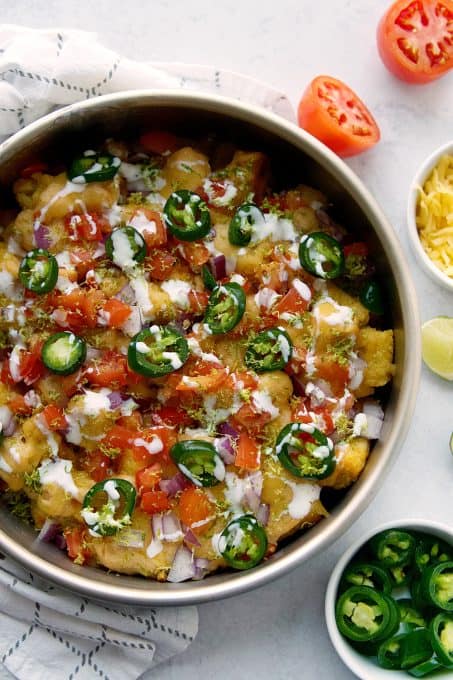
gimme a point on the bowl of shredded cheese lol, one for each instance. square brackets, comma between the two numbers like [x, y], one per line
[430, 215]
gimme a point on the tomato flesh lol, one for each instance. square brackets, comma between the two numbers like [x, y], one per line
[332, 112]
[415, 39]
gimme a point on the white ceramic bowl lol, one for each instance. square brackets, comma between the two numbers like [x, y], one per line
[422, 173]
[364, 667]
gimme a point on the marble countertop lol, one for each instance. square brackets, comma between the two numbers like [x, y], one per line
[278, 631]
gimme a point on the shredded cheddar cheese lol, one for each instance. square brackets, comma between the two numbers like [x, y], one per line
[435, 215]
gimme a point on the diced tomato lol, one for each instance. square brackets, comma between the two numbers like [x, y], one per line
[292, 200]
[154, 231]
[117, 312]
[172, 415]
[70, 383]
[98, 465]
[110, 370]
[159, 141]
[18, 406]
[337, 376]
[198, 301]
[54, 417]
[415, 39]
[148, 478]
[160, 264]
[248, 419]
[32, 169]
[82, 307]
[195, 254]
[332, 112]
[242, 380]
[156, 436]
[83, 261]
[196, 508]
[89, 226]
[6, 377]
[358, 248]
[76, 544]
[208, 382]
[247, 453]
[291, 303]
[119, 437]
[153, 502]
[30, 367]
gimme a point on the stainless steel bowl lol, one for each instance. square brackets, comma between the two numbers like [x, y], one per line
[301, 157]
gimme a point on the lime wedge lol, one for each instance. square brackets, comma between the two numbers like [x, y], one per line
[437, 345]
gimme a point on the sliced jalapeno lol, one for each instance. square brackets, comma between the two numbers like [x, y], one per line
[393, 547]
[226, 307]
[244, 222]
[38, 271]
[371, 297]
[321, 255]
[93, 167]
[305, 451]
[270, 350]
[363, 614]
[366, 574]
[187, 216]
[208, 278]
[156, 351]
[63, 353]
[401, 574]
[427, 668]
[431, 550]
[199, 461]
[437, 585]
[243, 542]
[441, 632]
[125, 247]
[411, 617]
[405, 651]
[108, 506]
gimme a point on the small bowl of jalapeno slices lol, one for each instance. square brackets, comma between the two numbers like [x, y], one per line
[389, 602]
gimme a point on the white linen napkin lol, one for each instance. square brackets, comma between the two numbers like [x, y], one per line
[44, 69]
[46, 632]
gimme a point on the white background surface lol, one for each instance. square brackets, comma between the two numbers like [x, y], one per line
[278, 631]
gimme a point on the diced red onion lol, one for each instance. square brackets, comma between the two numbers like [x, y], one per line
[217, 265]
[7, 421]
[262, 514]
[225, 449]
[42, 239]
[49, 531]
[115, 399]
[173, 485]
[356, 368]
[190, 538]
[60, 542]
[228, 430]
[171, 528]
[157, 525]
[201, 567]
[10, 428]
[332, 227]
[373, 408]
[374, 427]
[183, 567]
[252, 495]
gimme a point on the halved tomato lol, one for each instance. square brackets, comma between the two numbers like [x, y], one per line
[333, 113]
[415, 39]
